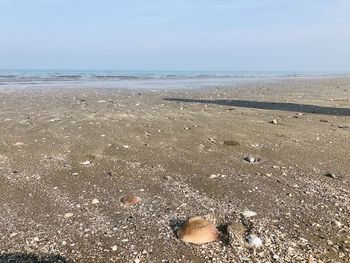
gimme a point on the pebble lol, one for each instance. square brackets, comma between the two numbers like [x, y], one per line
[330, 175]
[114, 248]
[13, 234]
[212, 140]
[68, 215]
[254, 241]
[250, 159]
[95, 201]
[231, 143]
[329, 243]
[274, 121]
[130, 200]
[197, 230]
[248, 213]
[337, 223]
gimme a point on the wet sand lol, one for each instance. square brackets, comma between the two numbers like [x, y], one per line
[182, 152]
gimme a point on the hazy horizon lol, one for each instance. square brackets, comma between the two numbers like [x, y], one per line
[176, 35]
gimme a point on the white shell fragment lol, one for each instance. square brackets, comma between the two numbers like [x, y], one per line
[86, 163]
[95, 201]
[250, 159]
[248, 213]
[255, 241]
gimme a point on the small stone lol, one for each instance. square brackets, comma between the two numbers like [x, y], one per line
[248, 213]
[36, 239]
[274, 121]
[231, 143]
[250, 159]
[337, 223]
[212, 140]
[114, 248]
[13, 234]
[330, 175]
[68, 215]
[130, 200]
[254, 241]
[212, 176]
[197, 230]
[95, 201]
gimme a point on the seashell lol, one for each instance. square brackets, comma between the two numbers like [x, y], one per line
[254, 241]
[68, 215]
[130, 200]
[86, 163]
[248, 213]
[197, 230]
[95, 201]
[250, 159]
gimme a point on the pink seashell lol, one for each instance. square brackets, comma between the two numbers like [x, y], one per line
[197, 230]
[130, 200]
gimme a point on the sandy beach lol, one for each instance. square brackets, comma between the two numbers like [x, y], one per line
[68, 156]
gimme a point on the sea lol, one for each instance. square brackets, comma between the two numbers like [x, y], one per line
[144, 79]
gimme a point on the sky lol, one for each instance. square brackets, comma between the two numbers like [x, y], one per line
[254, 35]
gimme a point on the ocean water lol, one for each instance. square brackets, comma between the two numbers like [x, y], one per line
[142, 79]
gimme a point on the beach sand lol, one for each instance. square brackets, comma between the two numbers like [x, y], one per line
[182, 152]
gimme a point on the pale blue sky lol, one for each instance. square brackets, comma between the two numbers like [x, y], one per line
[175, 34]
